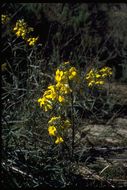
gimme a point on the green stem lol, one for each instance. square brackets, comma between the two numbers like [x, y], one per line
[73, 125]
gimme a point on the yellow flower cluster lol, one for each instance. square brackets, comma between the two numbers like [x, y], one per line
[56, 125]
[4, 19]
[58, 94]
[96, 77]
[32, 41]
[64, 76]
[66, 81]
[22, 30]
[59, 91]
[49, 96]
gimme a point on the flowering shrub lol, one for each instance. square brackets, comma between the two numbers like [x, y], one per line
[59, 94]
[67, 79]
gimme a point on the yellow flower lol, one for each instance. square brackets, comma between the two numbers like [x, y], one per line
[51, 93]
[59, 75]
[106, 70]
[54, 119]
[63, 88]
[32, 41]
[47, 107]
[61, 99]
[4, 19]
[91, 83]
[99, 82]
[42, 101]
[66, 62]
[18, 33]
[52, 130]
[46, 103]
[104, 75]
[72, 72]
[59, 140]
[21, 29]
[51, 87]
[39, 100]
[59, 85]
[90, 74]
[97, 75]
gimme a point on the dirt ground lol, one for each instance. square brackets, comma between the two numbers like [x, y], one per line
[104, 146]
[118, 91]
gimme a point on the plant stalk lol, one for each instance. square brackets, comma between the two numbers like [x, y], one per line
[73, 124]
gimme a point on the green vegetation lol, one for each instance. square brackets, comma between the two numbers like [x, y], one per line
[59, 64]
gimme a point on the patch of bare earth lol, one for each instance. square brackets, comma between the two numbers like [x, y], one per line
[102, 148]
[118, 92]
